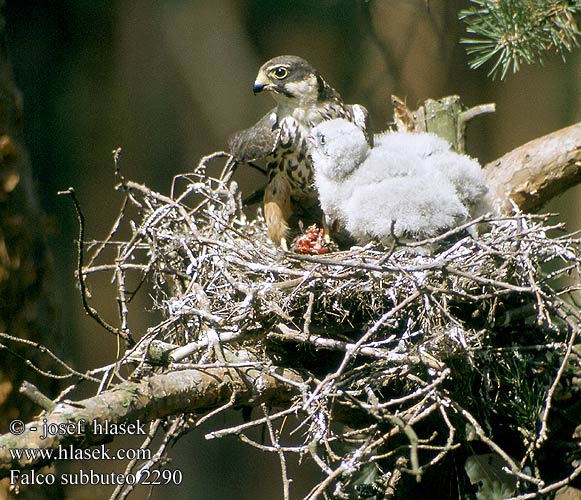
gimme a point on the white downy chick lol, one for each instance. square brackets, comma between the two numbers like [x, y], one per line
[397, 189]
[337, 150]
[394, 188]
[463, 172]
[420, 144]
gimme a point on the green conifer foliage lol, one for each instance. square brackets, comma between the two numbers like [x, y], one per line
[508, 33]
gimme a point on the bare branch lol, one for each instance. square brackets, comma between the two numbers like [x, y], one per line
[534, 173]
[155, 397]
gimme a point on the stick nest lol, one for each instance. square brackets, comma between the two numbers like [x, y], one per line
[421, 354]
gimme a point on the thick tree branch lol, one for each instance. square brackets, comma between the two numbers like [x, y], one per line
[155, 397]
[535, 172]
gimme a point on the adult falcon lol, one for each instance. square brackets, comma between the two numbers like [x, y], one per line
[304, 99]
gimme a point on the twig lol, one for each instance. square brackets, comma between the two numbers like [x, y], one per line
[248, 425]
[475, 111]
[117, 493]
[80, 256]
[281, 457]
[289, 335]
[551, 487]
[43, 349]
[33, 393]
[542, 434]
[514, 468]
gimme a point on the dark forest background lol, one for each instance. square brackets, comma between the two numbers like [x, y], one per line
[169, 81]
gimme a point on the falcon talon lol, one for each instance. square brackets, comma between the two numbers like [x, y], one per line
[284, 244]
[303, 100]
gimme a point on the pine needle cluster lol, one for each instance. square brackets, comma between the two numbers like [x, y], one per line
[510, 33]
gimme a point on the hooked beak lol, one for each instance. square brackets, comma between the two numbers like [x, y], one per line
[261, 83]
[258, 87]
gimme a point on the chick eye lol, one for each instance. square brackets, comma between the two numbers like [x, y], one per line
[279, 73]
[322, 140]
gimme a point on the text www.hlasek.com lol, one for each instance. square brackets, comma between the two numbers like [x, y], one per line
[71, 453]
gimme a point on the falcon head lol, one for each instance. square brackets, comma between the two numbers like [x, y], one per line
[292, 79]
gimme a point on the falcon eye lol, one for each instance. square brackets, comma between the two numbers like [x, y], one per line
[279, 73]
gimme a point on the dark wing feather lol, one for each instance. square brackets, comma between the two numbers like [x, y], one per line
[256, 142]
